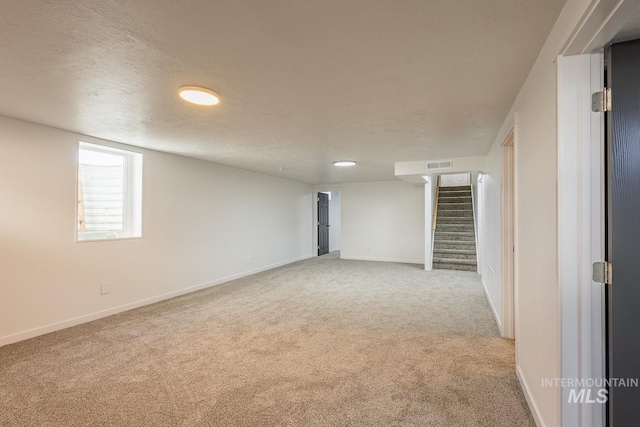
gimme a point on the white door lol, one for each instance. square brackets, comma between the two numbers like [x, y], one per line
[455, 180]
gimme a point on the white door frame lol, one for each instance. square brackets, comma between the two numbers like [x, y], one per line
[508, 233]
[480, 222]
[580, 230]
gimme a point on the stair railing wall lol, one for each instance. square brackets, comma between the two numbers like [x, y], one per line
[435, 217]
[435, 205]
[475, 222]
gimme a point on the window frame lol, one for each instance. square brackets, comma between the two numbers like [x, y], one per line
[132, 194]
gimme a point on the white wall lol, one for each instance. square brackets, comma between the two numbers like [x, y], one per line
[490, 239]
[383, 221]
[334, 221]
[537, 292]
[201, 223]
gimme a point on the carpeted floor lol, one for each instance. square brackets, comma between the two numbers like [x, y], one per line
[323, 342]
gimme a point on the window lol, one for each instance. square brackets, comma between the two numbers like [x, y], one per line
[109, 193]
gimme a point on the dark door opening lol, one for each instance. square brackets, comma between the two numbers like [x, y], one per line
[323, 224]
[623, 232]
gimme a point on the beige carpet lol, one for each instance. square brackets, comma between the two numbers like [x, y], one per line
[324, 342]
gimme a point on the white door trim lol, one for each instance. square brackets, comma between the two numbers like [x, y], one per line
[580, 230]
[602, 21]
[479, 219]
[508, 206]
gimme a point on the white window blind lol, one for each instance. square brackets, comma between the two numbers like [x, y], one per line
[106, 193]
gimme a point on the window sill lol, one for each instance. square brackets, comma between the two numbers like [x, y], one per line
[111, 239]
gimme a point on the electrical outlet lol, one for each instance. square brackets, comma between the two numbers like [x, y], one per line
[105, 288]
[250, 260]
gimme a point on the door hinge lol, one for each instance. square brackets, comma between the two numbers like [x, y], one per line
[603, 272]
[318, 222]
[318, 246]
[601, 101]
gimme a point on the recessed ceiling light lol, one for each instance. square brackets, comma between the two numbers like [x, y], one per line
[199, 95]
[344, 163]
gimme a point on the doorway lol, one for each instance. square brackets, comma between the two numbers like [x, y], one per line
[323, 223]
[327, 231]
[508, 236]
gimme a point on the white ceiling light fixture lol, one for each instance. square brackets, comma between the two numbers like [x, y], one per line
[199, 95]
[344, 163]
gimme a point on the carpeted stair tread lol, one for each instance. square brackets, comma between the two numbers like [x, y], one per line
[464, 193]
[452, 235]
[456, 261]
[455, 213]
[455, 188]
[457, 227]
[450, 266]
[456, 242]
[455, 220]
[454, 199]
[457, 256]
[455, 251]
[454, 206]
[454, 247]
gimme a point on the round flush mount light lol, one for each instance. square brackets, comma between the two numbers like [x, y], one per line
[343, 163]
[199, 95]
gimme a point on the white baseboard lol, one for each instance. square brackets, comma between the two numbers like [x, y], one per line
[35, 332]
[493, 307]
[402, 261]
[527, 395]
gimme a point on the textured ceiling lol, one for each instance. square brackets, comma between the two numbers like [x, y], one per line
[302, 82]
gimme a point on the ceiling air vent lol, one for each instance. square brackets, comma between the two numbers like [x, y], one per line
[445, 164]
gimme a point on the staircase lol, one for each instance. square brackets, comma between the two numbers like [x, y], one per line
[454, 246]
